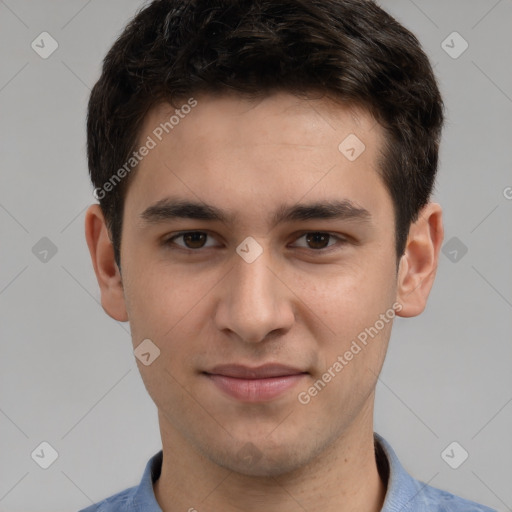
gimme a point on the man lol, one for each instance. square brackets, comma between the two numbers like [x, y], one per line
[264, 171]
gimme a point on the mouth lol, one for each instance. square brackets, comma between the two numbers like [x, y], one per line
[258, 384]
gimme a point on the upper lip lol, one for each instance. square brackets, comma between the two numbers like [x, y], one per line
[259, 372]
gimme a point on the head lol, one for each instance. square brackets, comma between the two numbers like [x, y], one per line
[249, 110]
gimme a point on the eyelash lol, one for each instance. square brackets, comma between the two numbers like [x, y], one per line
[340, 241]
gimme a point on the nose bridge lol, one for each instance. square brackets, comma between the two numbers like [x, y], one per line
[254, 280]
[254, 302]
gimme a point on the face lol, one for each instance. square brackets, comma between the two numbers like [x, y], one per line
[259, 293]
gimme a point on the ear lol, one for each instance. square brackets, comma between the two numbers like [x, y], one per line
[418, 264]
[107, 272]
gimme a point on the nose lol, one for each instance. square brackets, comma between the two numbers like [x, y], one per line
[255, 303]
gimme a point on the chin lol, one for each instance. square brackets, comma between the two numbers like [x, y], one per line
[265, 467]
[262, 458]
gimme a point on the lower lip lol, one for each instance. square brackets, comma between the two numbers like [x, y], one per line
[255, 390]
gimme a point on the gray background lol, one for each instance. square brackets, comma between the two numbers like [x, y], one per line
[68, 374]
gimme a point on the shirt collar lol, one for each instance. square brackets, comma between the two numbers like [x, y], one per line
[144, 498]
[403, 491]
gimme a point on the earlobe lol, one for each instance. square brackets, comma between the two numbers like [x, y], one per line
[418, 265]
[105, 267]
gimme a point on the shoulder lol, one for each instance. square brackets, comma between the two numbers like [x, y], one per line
[120, 502]
[434, 499]
[407, 494]
[137, 498]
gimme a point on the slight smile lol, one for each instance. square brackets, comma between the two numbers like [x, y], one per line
[259, 384]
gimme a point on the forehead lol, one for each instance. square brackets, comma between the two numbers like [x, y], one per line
[303, 121]
[255, 154]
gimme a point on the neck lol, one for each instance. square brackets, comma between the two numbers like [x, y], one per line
[343, 478]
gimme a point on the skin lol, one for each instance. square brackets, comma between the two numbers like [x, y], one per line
[295, 304]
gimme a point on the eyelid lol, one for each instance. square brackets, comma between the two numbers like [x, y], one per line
[341, 240]
[170, 239]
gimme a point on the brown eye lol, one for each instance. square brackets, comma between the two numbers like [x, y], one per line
[317, 240]
[194, 240]
[191, 240]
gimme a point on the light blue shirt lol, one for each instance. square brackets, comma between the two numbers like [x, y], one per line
[404, 493]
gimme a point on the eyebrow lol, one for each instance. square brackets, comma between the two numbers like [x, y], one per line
[168, 209]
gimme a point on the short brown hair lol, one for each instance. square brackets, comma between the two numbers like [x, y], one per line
[348, 49]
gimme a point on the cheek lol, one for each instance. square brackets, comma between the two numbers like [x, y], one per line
[167, 305]
[169, 309]
[349, 297]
